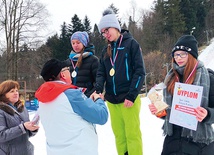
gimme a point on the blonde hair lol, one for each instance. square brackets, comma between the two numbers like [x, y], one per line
[108, 54]
[79, 61]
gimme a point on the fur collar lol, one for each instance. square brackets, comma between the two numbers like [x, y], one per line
[6, 108]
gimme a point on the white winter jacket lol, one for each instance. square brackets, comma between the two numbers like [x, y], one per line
[68, 117]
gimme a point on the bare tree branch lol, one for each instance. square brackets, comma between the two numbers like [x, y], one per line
[22, 21]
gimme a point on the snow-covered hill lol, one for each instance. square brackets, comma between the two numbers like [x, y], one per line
[207, 55]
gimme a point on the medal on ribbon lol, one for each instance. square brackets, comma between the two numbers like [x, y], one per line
[74, 74]
[112, 72]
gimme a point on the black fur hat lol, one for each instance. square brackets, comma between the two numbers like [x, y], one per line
[51, 69]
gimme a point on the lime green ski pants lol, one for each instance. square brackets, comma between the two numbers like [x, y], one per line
[125, 124]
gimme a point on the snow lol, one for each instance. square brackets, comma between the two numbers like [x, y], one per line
[150, 125]
[207, 55]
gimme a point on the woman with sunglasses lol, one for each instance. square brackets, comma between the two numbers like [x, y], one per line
[186, 68]
[122, 70]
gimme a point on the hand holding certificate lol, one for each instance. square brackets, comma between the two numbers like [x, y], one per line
[186, 99]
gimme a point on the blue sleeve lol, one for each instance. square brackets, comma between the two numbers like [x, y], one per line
[94, 112]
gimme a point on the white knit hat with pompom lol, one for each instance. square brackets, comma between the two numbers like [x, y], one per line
[109, 19]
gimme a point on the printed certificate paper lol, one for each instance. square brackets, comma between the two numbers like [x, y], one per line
[185, 99]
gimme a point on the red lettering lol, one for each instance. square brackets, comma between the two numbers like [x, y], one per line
[188, 94]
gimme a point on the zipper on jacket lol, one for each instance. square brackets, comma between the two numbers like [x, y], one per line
[113, 78]
[114, 88]
[127, 67]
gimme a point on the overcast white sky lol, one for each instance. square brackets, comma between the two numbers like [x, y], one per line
[63, 10]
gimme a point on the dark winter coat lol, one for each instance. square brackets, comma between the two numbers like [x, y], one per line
[210, 109]
[184, 146]
[86, 74]
[129, 70]
[14, 138]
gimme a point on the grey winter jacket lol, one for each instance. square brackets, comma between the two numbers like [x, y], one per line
[14, 138]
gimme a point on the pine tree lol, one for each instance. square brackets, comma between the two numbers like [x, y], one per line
[76, 25]
[210, 16]
[175, 21]
[194, 12]
[86, 24]
[53, 44]
[98, 41]
[64, 45]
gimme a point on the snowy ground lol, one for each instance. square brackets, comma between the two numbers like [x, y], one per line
[150, 127]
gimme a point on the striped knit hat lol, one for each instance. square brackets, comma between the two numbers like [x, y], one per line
[81, 36]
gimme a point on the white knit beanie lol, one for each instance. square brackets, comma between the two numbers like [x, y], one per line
[109, 19]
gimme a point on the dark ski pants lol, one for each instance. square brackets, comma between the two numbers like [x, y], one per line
[176, 145]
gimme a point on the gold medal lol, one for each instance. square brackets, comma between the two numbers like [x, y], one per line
[74, 74]
[112, 72]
